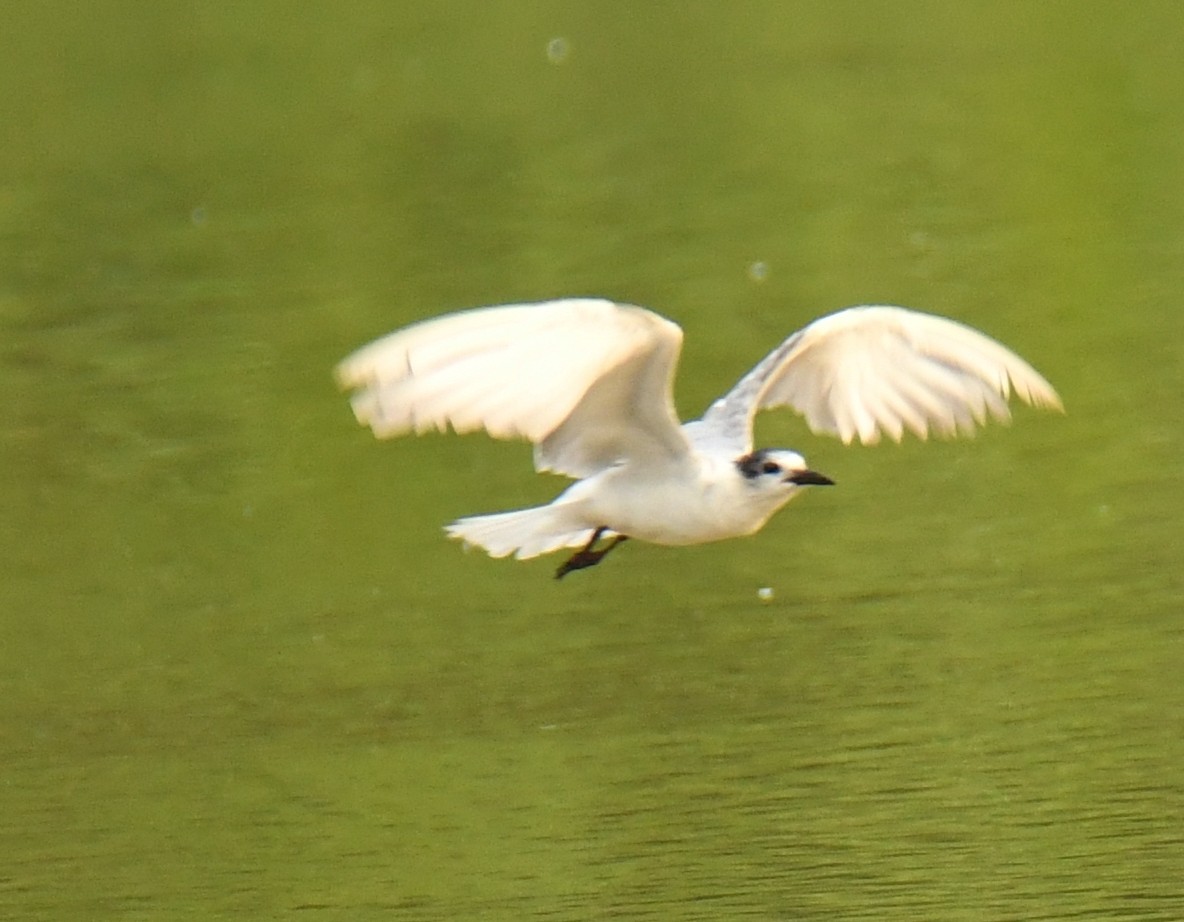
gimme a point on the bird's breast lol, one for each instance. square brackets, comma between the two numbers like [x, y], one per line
[683, 507]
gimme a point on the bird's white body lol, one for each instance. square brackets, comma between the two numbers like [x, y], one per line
[703, 500]
[589, 382]
[696, 502]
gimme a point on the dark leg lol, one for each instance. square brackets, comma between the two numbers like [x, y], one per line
[586, 557]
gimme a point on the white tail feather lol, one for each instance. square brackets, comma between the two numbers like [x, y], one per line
[524, 533]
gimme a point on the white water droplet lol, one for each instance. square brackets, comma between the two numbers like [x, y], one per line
[557, 50]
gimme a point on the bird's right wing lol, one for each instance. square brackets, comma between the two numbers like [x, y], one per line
[586, 380]
[864, 371]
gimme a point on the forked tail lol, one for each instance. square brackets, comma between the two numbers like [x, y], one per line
[524, 533]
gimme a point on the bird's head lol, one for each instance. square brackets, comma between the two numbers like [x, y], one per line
[778, 472]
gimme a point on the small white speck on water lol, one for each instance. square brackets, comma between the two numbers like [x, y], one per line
[765, 594]
[758, 271]
[557, 50]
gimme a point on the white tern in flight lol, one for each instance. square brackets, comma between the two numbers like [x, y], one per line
[589, 383]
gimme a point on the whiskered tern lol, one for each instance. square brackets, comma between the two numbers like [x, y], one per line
[589, 383]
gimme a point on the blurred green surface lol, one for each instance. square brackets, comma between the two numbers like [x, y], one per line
[243, 674]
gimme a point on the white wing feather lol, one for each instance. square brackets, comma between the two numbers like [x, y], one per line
[588, 381]
[864, 371]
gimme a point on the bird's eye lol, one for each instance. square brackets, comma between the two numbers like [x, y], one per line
[771, 467]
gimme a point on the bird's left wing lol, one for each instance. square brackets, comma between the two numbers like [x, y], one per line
[587, 381]
[864, 371]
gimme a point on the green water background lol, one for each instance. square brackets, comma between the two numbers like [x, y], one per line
[243, 675]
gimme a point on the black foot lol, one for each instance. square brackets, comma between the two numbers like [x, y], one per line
[586, 557]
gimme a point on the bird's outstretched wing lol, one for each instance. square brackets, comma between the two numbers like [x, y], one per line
[865, 371]
[586, 380]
